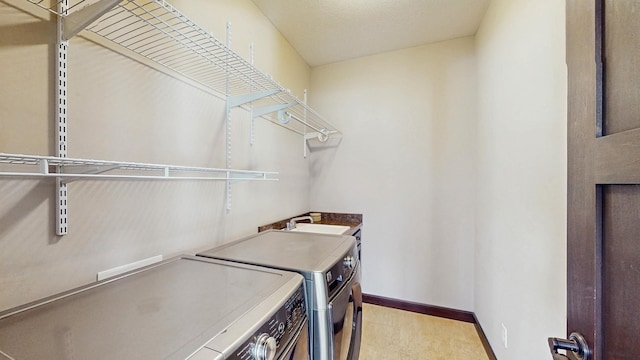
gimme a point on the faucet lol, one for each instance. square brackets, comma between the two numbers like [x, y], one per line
[292, 223]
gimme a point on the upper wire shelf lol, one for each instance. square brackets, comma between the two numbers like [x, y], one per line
[71, 168]
[157, 31]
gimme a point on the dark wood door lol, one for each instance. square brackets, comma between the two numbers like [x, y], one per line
[603, 254]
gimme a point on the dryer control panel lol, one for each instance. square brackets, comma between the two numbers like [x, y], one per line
[341, 271]
[273, 336]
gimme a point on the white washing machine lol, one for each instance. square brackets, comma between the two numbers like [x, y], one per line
[183, 308]
[331, 268]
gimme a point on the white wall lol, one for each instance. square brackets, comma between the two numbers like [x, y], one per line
[463, 207]
[405, 163]
[520, 261]
[120, 109]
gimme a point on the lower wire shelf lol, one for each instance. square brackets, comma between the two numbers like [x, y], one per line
[70, 169]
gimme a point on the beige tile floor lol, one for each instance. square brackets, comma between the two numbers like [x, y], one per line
[396, 334]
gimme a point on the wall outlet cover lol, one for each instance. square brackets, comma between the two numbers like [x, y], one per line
[504, 335]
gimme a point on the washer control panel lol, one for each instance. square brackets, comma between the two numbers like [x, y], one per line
[273, 336]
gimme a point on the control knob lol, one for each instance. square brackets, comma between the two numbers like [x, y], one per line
[349, 262]
[265, 347]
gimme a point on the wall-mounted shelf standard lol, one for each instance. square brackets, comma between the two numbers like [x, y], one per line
[73, 169]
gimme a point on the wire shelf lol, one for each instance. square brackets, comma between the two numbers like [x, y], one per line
[72, 168]
[157, 31]
[160, 33]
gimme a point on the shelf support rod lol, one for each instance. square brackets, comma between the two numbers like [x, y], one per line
[321, 131]
[79, 20]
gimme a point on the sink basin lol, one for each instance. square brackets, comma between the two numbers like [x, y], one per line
[322, 228]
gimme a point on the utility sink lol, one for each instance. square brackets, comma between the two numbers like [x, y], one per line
[322, 228]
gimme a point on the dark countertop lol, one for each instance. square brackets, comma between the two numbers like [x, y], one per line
[352, 220]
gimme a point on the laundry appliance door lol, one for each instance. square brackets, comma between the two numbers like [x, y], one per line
[346, 315]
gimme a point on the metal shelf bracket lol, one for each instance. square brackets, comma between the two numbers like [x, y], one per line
[80, 19]
[85, 170]
[264, 110]
[243, 99]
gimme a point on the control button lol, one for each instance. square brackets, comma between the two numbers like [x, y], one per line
[265, 348]
[329, 276]
[281, 328]
[349, 262]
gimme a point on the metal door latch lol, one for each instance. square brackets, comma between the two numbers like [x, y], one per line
[577, 344]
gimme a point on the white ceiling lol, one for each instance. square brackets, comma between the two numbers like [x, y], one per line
[326, 31]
